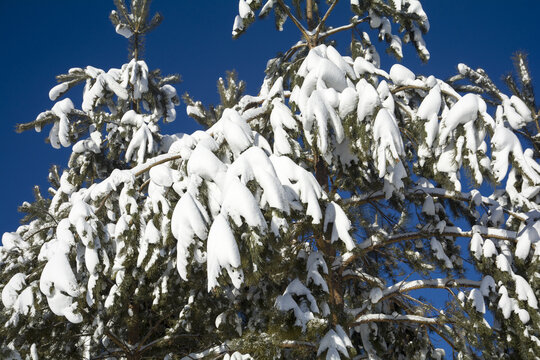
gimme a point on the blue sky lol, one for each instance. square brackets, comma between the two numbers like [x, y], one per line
[41, 39]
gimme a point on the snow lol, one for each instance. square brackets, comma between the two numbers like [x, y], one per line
[488, 249]
[124, 30]
[476, 245]
[341, 225]
[161, 175]
[348, 102]
[266, 7]
[239, 203]
[316, 261]
[525, 239]
[505, 303]
[478, 300]
[235, 131]
[487, 286]
[335, 57]
[58, 91]
[103, 82]
[86, 145]
[13, 240]
[238, 25]
[57, 276]
[254, 165]
[333, 343]
[525, 292]
[388, 139]
[464, 111]
[429, 110]
[375, 295]
[222, 253]
[318, 65]
[244, 10]
[402, 76]
[504, 143]
[204, 163]
[142, 142]
[428, 207]
[194, 111]
[11, 290]
[302, 185]
[59, 134]
[287, 302]
[516, 112]
[189, 219]
[58, 282]
[237, 356]
[439, 253]
[281, 118]
[523, 315]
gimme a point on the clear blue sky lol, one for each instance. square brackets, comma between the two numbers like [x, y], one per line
[40, 39]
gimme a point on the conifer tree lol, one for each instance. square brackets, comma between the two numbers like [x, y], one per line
[305, 222]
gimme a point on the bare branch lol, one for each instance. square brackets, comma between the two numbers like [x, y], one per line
[331, 32]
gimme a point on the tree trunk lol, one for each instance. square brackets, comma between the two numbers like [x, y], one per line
[309, 15]
[323, 244]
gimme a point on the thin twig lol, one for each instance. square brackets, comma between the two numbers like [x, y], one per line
[325, 17]
[38, 231]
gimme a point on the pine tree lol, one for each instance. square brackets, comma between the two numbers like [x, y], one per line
[306, 221]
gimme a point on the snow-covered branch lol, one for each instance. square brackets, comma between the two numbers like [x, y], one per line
[395, 318]
[440, 283]
[487, 232]
[158, 160]
[215, 350]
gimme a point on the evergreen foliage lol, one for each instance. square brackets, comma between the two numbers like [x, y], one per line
[321, 218]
